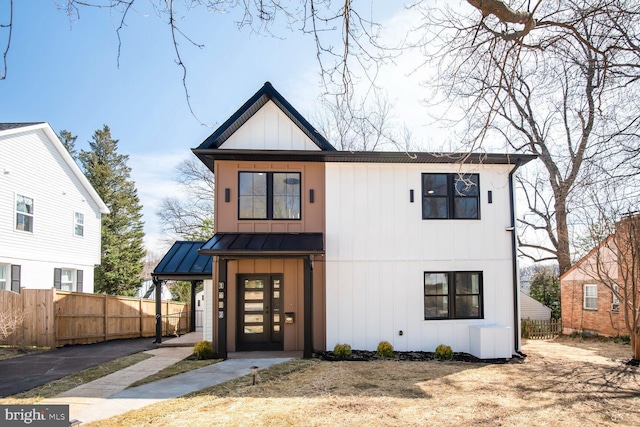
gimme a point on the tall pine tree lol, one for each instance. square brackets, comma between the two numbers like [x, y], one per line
[122, 229]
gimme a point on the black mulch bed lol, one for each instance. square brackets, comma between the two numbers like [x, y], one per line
[412, 356]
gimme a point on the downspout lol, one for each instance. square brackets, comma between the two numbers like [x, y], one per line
[514, 253]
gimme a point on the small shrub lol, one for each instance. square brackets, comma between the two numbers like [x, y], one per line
[203, 350]
[574, 334]
[385, 349]
[342, 351]
[444, 352]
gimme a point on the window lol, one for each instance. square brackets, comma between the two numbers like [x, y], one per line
[269, 195]
[615, 301]
[24, 213]
[450, 196]
[4, 277]
[453, 295]
[78, 228]
[590, 297]
[67, 279]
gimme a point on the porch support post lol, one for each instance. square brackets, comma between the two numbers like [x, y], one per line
[222, 311]
[308, 306]
[192, 324]
[158, 284]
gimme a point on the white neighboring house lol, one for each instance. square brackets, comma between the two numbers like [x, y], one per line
[50, 215]
[533, 309]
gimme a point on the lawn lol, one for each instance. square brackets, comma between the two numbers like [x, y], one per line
[565, 382]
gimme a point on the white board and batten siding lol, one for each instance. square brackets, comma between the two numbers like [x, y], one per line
[32, 164]
[378, 248]
[269, 129]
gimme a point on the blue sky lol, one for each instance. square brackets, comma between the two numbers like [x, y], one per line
[66, 73]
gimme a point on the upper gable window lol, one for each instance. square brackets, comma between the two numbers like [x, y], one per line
[78, 225]
[269, 195]
[450, 196]
[24, 213]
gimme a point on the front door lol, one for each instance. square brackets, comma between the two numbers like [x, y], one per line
[260, 317]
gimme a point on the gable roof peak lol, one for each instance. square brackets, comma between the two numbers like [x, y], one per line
[265, 94]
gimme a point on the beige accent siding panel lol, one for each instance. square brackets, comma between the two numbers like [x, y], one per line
[312, 215]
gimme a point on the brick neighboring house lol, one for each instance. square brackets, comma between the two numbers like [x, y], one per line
[589, 303]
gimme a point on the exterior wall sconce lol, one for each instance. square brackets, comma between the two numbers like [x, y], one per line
[490, 196]
[411, 196]
[227, 195]
[312, 196]
[289, 317]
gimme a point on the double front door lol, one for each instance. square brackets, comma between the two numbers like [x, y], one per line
[260, 316]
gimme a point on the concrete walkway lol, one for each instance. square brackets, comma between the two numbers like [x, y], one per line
[109, 396]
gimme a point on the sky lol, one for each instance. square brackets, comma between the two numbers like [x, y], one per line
[67, 72]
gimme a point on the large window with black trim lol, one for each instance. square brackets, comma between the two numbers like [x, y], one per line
[453, 295]
[269, 195]
[450, 196]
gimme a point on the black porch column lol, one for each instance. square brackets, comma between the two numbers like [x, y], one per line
[158, 284]
[308, 307]
[223, 290]
[192, 326]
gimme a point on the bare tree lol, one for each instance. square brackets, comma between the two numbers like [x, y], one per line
[10, 322]
[550, 81]
[190, 217]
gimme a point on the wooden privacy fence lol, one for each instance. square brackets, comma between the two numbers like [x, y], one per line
[541, 329]
[53, 318]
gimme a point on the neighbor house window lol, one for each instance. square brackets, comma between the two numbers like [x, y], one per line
[4, 277]
[615, 301]
[78, 226]
[67, 279]
[269, 195]
[450, 196]
[591, 297]
[24, 213]
[453, 295]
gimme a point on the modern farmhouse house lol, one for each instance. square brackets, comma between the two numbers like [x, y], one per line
[315, 246]
[49, 215]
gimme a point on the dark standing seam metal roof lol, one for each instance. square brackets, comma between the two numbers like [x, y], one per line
[264, 244]
[257, 101]
[183, 262]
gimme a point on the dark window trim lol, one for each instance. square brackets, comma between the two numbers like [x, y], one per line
[451, 294]
[269, 196]
[451, 196]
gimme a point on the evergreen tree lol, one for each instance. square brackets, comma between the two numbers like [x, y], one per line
[122, 229]
[69, 142]
[545, 288]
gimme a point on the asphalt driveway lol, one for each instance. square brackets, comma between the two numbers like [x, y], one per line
[26, 372]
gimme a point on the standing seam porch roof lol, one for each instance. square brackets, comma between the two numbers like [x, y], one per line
[264, 244]
[183, 262]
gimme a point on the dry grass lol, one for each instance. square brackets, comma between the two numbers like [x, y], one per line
[9, 352]
[67, 383]
[565, 383]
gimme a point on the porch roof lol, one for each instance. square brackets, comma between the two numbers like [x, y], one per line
[230, 245]
[183, 262]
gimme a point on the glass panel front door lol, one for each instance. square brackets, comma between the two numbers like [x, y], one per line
[259, 312]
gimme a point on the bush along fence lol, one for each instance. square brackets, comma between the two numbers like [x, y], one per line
[541, 329]
[53, 318]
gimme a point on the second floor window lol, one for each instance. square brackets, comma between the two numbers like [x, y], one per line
[24, 213]
[269, 195]
[450, 196]
[78, 227]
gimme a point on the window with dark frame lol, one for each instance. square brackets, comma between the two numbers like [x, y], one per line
[269, 195]
[450, 196]
[453, 295]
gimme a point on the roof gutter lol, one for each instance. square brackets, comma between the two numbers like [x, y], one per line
[514, 252]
